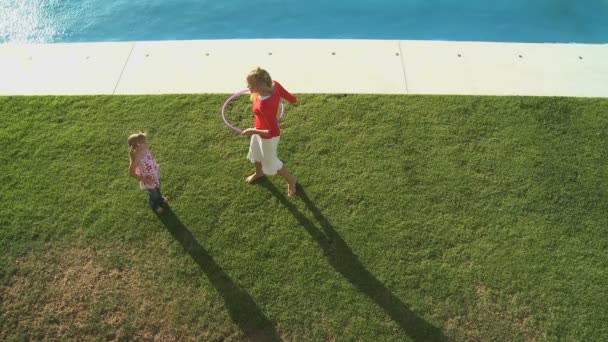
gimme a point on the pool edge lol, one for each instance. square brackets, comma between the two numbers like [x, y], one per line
[306, 66]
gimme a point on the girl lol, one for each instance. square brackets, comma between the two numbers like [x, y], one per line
[144, 168]
[265, 95]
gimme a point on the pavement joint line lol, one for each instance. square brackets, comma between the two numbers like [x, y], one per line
[123, 68]
[402, 55]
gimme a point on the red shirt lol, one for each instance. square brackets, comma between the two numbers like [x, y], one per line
[265, 112]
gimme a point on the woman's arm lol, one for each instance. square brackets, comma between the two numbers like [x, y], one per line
[249, 131]
[285, 94]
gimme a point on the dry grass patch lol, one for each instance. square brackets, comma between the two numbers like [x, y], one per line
[488, 320]
[69, 293]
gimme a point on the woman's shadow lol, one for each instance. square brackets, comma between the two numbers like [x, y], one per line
[346, 263]
[241, 307]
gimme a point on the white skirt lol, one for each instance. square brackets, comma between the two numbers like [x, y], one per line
[265, 151]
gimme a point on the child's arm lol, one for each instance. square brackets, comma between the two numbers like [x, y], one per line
[133, 172]
[133, 168]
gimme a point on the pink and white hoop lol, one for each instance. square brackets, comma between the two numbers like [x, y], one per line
[244, 91]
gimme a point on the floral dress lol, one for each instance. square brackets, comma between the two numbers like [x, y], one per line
[148, 168]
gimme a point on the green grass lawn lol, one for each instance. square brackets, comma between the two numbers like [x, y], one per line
[418, 217]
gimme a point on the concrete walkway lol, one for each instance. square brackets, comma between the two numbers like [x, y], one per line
[306, 66]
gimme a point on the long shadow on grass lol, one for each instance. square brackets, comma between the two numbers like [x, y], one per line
[243, 310]
[346, 263]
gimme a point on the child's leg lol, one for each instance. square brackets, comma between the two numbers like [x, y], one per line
[291, 181]
[257, 174]
[155, 199]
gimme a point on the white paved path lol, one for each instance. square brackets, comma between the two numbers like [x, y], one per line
[306, 66]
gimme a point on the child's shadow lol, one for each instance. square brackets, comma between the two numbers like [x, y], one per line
[243, 310]
[346, 263]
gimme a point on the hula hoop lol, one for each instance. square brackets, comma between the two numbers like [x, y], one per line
[240, 131]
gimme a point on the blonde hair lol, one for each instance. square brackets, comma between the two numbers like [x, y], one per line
[259, 80]
[136, 139]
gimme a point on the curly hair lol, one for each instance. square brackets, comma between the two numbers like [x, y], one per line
[259, 80]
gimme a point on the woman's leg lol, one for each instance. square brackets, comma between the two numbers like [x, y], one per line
[257, 174]
[291, 181]
[255, 155]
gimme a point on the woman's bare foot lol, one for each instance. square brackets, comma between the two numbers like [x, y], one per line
[291, 187]
[253, 177]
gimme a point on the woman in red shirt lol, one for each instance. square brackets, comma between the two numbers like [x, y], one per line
[266, 95]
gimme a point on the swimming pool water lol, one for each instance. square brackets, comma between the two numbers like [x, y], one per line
[565, 21]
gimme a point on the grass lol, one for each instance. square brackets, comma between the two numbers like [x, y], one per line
[418, 217]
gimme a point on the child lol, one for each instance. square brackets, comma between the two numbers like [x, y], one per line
[144, 168]
[266, 95]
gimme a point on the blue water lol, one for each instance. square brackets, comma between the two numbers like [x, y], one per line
[580, 21]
